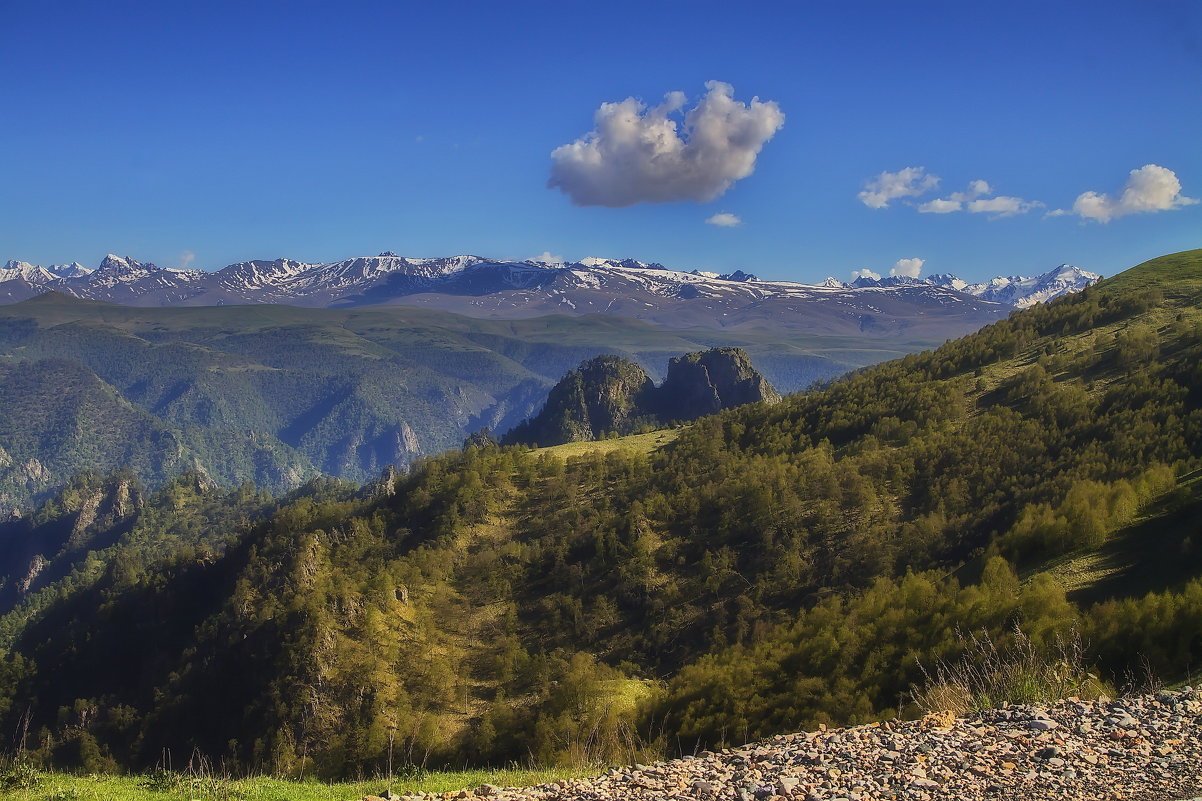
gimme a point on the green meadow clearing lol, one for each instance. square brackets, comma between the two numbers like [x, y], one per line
[181, 787]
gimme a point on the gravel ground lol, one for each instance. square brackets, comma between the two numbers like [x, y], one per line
[1146, 748]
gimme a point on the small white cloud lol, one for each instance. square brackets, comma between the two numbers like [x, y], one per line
[979, 187]
[1001, 206]
[975, 200]
[865, 273]
[637, 154]
[724, 219]
[907, 182]
[975, 189]
[907, 268]
[1149, 188]
[186, 258]
[940, 206]
[548, 257]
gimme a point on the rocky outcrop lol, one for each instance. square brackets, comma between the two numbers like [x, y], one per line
[102, 507]
[604, 394]
[36, 565]
[704, 383]
[90, 513]
[385, 485]
[1146, 748]
[610, 394]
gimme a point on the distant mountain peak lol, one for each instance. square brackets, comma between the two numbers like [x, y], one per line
[116, 265]
[1014, 290]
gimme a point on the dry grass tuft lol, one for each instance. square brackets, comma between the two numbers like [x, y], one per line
[988, 676]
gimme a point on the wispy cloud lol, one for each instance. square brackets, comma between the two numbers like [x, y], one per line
[1002, 206]
[865, 273]
[724, 219]
[638, 154]
[906, 182]
[940, 206]
[186, 258]
[1149, 188]
[976, 200]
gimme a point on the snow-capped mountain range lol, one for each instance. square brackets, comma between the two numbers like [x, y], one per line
[491, 288]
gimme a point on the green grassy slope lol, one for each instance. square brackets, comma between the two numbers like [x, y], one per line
[767, 570]
[61, 786]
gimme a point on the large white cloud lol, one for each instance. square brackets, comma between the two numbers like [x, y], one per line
[907, 268]
[637, 154]
[906, 182]
[1149, 188]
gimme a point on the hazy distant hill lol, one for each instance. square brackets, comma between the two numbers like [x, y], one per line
[278, 394]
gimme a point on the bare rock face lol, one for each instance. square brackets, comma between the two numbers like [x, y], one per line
[36, 566]
[385, 485]
[604, 394]
[708, 382]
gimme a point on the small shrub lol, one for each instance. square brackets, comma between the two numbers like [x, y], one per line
[70, 794]
[986, 676]
[19, 774]
[162, 780]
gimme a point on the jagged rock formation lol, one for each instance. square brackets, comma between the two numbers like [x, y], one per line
[609, 394]
[90, 513]
[604, 394]
[704, 383]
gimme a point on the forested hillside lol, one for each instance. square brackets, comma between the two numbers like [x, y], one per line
[277, 395]
[772, 568]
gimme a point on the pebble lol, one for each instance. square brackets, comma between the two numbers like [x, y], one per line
[1145, 748]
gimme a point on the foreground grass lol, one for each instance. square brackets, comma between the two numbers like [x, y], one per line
[69, 787]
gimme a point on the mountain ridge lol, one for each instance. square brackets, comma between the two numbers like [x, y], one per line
[385, 278]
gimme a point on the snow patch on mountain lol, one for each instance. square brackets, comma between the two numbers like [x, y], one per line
[1023, 292]
[386, 277]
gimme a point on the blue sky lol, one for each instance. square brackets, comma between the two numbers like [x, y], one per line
[317, 131]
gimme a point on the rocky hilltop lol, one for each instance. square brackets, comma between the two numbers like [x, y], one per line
[704, 383]
[1146, 748]
[610, 394]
